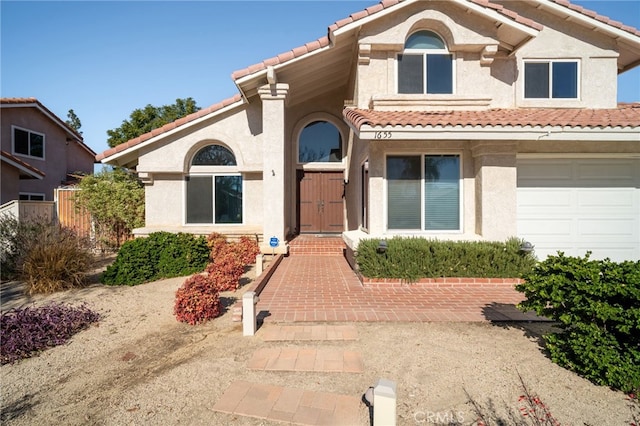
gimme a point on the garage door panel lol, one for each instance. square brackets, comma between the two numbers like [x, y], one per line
[605, 229]
[608, 199]
[592, 171]
[583, 205]
[546, 228]
[555, 199]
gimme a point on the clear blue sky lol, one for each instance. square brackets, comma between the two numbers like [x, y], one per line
[104, 59]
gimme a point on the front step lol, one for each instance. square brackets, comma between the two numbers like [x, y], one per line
[316, 245]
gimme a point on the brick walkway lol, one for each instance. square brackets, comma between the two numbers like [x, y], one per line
[324, 288]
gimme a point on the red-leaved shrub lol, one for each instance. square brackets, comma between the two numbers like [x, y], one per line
[216, 243]
[226, 269]
[197, 300]
[248, 249]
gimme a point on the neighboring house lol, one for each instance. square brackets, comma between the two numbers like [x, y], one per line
[40, 152]
[457, 119]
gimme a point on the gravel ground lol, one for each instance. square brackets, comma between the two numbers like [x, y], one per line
[139, 366]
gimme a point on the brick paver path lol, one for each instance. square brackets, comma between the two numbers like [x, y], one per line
[324, 288]
[291, 405]
[327, 360]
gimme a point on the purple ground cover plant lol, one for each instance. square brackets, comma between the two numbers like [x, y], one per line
[29, 330]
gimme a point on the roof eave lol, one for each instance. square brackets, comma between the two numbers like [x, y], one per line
[609, 29]
[476, 132]
[120, 157]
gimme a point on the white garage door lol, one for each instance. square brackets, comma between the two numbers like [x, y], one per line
[576, 205]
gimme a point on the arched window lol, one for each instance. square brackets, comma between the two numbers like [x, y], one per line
[213, 197]
[425, 65]
[214, 155]
[320, 142]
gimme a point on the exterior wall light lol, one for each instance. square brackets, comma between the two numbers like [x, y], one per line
[526, 247]
[382, 246]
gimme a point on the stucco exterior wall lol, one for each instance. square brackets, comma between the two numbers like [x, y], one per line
[497, 85]
[60, 156]
[233, 130]
[10, 185]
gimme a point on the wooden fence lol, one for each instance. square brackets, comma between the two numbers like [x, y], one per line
[71, 216]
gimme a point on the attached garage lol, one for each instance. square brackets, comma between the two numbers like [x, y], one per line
[575, 205]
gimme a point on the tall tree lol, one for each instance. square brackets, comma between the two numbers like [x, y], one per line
[146, 119]
[73, 121]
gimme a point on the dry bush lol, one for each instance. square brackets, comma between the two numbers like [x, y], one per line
[56, 260]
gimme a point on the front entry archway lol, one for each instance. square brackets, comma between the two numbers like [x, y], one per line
[320, 202]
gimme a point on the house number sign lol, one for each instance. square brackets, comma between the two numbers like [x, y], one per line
[382, 135]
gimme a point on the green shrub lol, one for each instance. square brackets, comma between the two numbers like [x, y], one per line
[160, 255]
[414, 258]
[597, 306]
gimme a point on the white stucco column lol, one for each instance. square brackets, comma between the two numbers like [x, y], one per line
[274, 98]
[496, 189]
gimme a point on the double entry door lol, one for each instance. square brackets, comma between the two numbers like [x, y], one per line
[320, 202]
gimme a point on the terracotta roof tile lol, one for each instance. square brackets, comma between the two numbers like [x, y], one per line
[384, 4]
[24, 164]
[626, 115]
[597, 16]
[169, 126]
[36, 103]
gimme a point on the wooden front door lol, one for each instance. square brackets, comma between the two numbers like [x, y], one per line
[320, 205]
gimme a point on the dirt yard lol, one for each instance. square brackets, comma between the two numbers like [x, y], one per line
[139, 366]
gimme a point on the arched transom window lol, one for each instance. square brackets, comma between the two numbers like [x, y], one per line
[425, 65]
[214, 155]
[213, 197]
[320, 142]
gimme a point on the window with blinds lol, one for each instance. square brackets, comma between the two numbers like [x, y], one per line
[423, 192]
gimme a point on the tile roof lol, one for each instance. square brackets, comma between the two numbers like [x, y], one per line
[323, 42]
[626, 115]
[169, 126]
[21, 164]
[354, 17]
[36, 103]
[597, 17]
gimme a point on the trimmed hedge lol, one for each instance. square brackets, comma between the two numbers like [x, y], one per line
[597, 306]
[412, 258]
[160, 255]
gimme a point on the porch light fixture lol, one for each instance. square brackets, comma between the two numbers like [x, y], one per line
[382, 246]
[526, 247]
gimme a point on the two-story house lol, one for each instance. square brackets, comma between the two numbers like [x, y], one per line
[40, 152]
[457, 119]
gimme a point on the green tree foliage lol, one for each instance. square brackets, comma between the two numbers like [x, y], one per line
[144, 120]
[115, 200]
[73, 121]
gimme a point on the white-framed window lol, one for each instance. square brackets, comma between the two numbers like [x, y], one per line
[551, 79]
[424, 192]
[320, 142]
[31, 196]
[425, 66]
[213, 194]
[27, 143]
